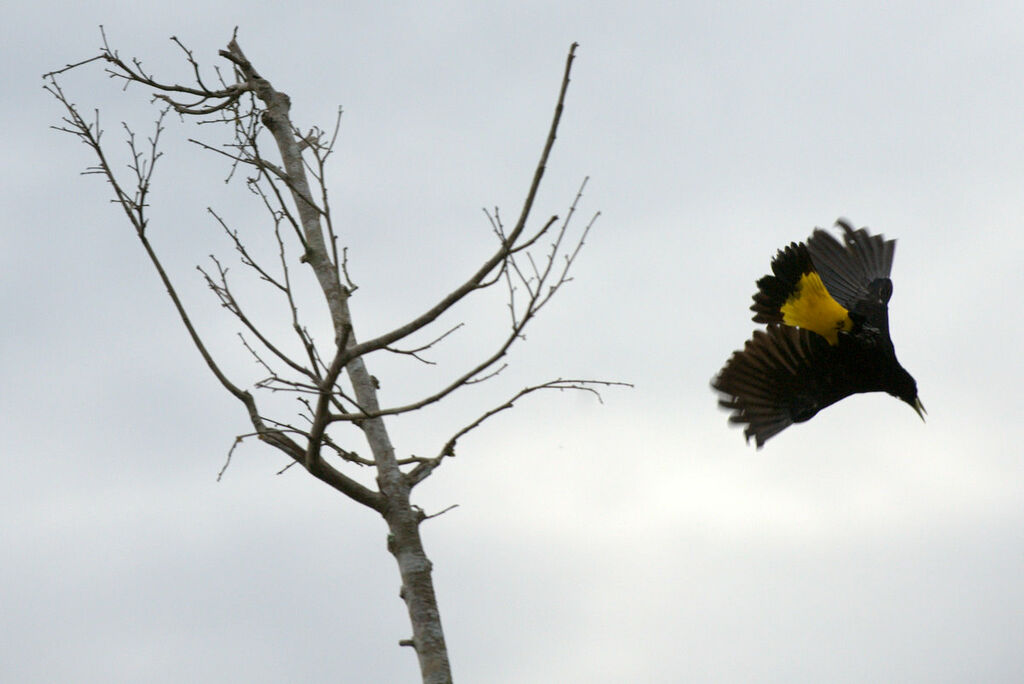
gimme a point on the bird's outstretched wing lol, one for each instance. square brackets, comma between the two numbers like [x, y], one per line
[795, 294]
[788, 267]
[782, 376]
[849, 269]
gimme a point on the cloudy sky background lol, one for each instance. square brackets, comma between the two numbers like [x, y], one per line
[638, 540]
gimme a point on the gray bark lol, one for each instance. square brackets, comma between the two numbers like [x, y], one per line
[403, 520]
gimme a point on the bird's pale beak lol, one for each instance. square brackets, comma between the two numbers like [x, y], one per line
[919, 407]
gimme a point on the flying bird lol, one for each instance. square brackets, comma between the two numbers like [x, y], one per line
[826, 306]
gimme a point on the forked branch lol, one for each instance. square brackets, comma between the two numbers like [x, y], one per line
[506, 247]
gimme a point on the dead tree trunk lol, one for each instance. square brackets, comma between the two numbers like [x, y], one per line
[403, 522]
[289, 196]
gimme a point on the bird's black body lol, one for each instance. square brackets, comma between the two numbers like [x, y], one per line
[826, 306]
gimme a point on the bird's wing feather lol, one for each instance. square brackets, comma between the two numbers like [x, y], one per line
[788, 266]
[849, 268]
[782, 376]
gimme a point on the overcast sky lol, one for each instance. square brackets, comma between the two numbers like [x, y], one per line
[639, 540]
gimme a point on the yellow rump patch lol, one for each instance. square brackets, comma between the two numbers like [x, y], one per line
[811, 307]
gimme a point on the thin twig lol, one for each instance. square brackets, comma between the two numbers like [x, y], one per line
[234, 445]
[427, 466]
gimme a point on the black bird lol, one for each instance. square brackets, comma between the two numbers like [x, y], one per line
[826, 306]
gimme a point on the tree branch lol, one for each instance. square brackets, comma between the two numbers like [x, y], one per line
[427, 466]
[504, 249]
[539, 296]
[134, 207]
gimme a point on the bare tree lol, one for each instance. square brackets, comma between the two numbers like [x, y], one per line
[331, 382]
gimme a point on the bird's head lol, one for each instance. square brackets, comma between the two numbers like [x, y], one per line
[904, 387]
